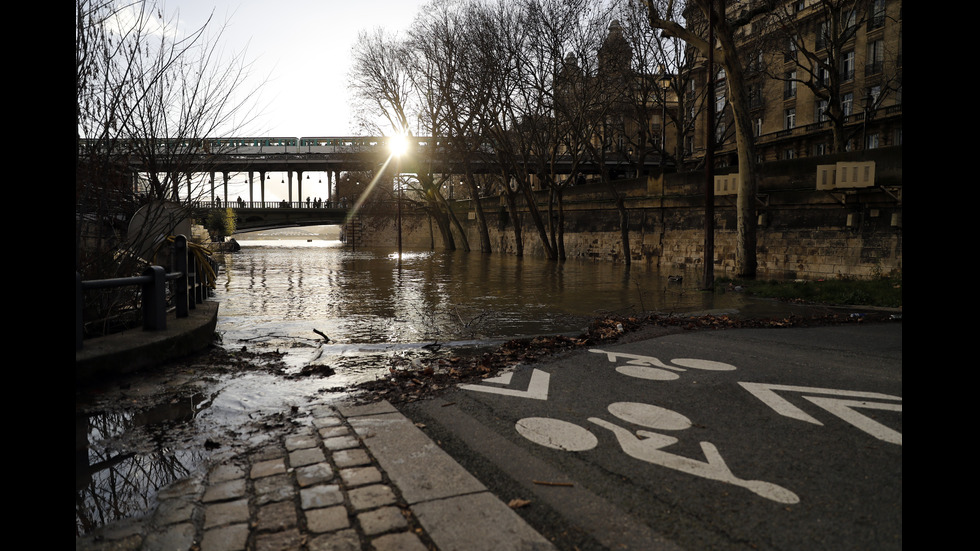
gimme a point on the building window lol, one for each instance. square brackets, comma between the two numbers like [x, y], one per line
[847, 67]
[849, 21]
[789, 119]
[823, 75]
[819, 149]
[847, 104]
[757, 127]
[823, 36]
[821, 114]
[876, 58]
[789, 154]
[790, 89]
[790, 53]
[877, 19]
[871, 99]
[871, 141]
[755, 96]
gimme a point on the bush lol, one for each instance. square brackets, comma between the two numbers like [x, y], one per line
[883, 291]
[220, 223]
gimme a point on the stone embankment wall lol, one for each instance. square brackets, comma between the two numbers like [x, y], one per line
[803, 232]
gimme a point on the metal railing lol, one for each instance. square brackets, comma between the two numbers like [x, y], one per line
[189, 290]
[232, 204]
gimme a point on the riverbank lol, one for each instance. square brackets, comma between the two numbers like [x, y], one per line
[881, 292]
[136, 349]
[415, 379]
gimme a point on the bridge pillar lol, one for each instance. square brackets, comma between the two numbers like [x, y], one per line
[175, 186]
[299, 185]
[262, 178]
[251, 199]
[225, 178]
[289, 176]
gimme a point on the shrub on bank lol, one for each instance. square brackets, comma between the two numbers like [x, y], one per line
[881, 292]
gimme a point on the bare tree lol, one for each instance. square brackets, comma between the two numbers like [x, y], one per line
[384, 90]
[449, 60]
[689, 21]
[501, 35]
[519, 121]
[662, 96]
[818, 47]
[147, 98]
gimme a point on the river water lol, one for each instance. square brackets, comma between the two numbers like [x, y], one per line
[286, 288]
[284, 293]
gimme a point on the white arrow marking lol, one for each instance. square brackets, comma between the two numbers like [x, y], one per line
[502, 379]
[836, 406]
[842, 409]
[536, 389]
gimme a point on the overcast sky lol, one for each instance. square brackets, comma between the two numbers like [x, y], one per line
[303, 46]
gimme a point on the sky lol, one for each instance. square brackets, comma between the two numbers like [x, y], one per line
[302, 47]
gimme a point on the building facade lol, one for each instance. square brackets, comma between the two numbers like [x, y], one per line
[823, 77]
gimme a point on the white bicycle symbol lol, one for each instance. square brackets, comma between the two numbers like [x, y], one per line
[646, 445]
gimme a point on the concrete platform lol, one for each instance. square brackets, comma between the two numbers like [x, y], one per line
[137, 349]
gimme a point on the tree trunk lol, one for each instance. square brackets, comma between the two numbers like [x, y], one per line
[481, 219]
[509, 197]
[456, 223]
[443, 222]
[624, 229]
[561, 225]
[746, 223]
[532, 208]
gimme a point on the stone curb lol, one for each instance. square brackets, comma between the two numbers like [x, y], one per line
[356, 477]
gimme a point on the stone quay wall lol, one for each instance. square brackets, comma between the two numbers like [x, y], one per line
[803, 232]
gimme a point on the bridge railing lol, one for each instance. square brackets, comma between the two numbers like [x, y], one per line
[188, 290]
[217, 204]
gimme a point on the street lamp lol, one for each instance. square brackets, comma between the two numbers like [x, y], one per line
[708, 278]
[398, 146]
[665, 81]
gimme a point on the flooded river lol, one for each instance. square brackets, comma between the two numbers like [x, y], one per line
[285, 294]
[287, 289]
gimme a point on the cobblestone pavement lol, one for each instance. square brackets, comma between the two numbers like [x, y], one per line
[325, 487]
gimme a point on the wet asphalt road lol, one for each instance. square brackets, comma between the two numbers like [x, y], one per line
[738, 439]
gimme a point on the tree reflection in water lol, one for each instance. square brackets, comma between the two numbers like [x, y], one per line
[122, 460]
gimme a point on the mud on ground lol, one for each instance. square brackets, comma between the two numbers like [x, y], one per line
[163, 398]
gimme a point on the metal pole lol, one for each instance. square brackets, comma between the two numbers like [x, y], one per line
[154, 301]
[709, 161]
[397, 183]
[180, 285]
[79, 307]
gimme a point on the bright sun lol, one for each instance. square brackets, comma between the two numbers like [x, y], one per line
[398, 145]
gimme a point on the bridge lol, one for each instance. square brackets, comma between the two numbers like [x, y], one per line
[327, 155]
[258, 215]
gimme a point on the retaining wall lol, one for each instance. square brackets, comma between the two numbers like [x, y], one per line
[803, 232]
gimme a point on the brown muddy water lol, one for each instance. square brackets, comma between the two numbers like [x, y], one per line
[287, 288]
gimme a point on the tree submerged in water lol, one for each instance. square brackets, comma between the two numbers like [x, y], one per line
[220, 223]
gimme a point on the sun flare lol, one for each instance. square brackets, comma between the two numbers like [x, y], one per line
[398, 145]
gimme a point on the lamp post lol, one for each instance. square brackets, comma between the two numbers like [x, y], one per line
[709, 161]
[398, 147]
[665, 81]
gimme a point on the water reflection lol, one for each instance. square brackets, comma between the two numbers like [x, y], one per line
[285, 289]
[113, 482]
[372, 304]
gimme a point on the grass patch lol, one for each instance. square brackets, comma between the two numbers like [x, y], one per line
[882, 292]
